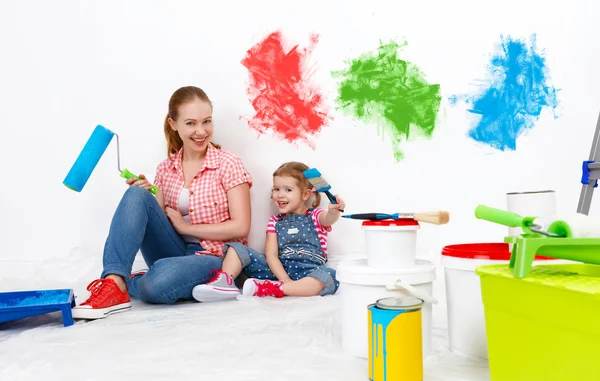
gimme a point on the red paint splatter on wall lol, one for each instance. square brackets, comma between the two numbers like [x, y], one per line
[285, 101]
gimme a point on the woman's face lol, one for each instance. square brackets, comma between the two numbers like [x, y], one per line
[194, 125]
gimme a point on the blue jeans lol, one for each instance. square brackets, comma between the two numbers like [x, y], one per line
[173, 269]
[297, 266]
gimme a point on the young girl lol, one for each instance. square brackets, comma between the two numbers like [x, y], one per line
[203, 201]
[296, 247]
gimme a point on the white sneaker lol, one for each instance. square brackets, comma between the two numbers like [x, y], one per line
[263, 287]
[220, 287]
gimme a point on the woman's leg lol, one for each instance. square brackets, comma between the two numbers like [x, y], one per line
[138, 222]
[171, 279]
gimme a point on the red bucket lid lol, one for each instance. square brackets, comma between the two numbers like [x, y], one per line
[399, 222]
[492, 251]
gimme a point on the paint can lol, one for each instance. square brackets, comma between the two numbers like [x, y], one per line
[395, 339]
[391, 244]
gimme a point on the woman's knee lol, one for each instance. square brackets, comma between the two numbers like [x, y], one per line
[136, 194]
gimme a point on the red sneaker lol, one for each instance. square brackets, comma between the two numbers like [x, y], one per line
[106, 298]
[260, 287]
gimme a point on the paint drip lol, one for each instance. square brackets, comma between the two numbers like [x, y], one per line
[287, 104]
[514, 95]
[395, 347]
[392, 93]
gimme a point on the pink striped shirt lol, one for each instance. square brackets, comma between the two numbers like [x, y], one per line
[321, 230]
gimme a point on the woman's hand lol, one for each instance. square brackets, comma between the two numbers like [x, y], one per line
[177, 220]
[144, 183]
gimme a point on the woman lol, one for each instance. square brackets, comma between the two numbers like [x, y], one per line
[203, 201]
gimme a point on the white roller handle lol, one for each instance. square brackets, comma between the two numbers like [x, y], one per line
[399, 284]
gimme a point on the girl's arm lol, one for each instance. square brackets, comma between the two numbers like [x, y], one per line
[331, 216]
[272, 254]
[237, 227]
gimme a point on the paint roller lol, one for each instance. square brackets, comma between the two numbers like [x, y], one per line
[90, 156]
[575, 225]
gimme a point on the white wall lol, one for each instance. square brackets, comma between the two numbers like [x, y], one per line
[68, 66]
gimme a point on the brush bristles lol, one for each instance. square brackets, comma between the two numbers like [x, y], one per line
[438, 217]
[320, 184]
[314, 177]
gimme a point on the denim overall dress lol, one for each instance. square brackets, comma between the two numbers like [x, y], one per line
[298, 242]
[300, 253]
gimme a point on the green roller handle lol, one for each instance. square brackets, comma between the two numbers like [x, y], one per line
[499, 216]
[128, 175]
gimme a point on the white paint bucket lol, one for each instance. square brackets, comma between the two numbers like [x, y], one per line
[391, 243]
[466, 321]
[362, 285]
[531, 204]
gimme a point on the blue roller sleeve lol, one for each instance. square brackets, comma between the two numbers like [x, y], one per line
[88, 158]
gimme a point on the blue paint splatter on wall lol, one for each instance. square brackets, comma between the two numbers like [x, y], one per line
[513, 100]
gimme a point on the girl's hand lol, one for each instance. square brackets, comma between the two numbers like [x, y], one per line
[176, 220]
[144, 183]
[340, 204]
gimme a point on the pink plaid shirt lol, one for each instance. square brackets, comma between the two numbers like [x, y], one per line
[220, 172]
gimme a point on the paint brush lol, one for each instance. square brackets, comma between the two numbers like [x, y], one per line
[439, 217]
[320, 184]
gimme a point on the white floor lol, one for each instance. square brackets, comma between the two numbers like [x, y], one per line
[247, 339]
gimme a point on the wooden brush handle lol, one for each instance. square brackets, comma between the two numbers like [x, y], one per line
[439, 217]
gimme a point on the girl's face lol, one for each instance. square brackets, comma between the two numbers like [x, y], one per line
[289, 198]
[194, 125]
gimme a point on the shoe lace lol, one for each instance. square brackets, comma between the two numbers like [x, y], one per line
[216, 275]
[268, 288]
[100, 288]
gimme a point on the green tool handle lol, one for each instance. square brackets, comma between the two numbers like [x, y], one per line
[498, 216]
[128, 175]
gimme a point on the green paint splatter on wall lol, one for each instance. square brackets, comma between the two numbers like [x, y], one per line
[389, 92]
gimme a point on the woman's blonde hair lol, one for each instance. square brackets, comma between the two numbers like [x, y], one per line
[181, 96]
[295, 169]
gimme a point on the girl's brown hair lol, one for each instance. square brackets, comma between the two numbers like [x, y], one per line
[295, 169]
[181, 96]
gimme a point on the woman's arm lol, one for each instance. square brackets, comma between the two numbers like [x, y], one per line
[160, 198]
[238, 226]
[272, 254]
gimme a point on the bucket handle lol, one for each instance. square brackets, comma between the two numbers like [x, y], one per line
[399, 284]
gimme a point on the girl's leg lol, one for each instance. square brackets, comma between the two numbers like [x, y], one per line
[308, 286]
[232, 264]
[138, 222]
[318, 280]
[237, 258]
